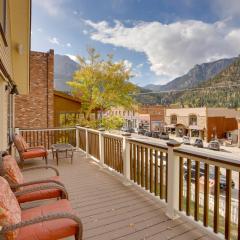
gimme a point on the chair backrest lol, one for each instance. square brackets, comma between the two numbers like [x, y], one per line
[11, 171]
[10, 211]
[20, 143]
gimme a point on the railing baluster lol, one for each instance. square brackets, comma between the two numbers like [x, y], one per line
[216, 200]
[138, 165]
[161, 175]
[131, 161]
[206, 194]
[196, 204]
[146, 169]
[181, 184]
[134, 163]
[151, 171]
[166, 173]
[188, 200]
[228, 204]
[142, 167]
[156, 173]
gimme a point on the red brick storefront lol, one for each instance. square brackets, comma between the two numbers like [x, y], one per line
[35, 110]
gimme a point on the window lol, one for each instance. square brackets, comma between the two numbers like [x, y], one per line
[193, 119]
[174, 119]
[3, 22]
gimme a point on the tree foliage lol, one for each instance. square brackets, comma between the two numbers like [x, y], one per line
[102, 84]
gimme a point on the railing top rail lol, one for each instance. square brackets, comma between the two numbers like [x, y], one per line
[93, 130]
[46, 129]
[148, 142]
[213, 157]
[108, 134]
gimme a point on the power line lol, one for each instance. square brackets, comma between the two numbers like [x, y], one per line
[188, 89]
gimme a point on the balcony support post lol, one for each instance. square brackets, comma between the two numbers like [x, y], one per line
[126, 157]
[101, 146]
[87, 143]
[77, 137]
[173, 181]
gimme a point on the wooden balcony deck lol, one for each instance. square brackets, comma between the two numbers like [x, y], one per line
[111, 210]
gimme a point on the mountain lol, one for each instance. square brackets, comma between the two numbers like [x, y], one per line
[64, 67]
[196, 75]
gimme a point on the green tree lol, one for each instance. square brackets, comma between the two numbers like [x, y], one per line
[102, 84]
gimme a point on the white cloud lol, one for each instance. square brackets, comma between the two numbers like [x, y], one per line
[75, 12]
[73, 57]
[139, 65]
[54, 40]
[52, 7]
[226, 8]
[39, 30]
[85, 32]
[171, 49]
[69, 44]
[127, 64]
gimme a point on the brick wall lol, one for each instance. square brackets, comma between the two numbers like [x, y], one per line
[35, 110]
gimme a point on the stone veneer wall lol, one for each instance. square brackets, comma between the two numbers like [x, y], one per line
[35, 110]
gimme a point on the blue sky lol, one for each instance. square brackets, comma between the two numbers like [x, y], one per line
[158, 39]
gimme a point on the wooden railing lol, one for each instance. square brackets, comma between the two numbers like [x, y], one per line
[46, 137]
[200, 184]
[93, 143]
[148, 167]
[113, 152]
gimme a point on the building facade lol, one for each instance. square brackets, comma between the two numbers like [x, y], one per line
[35, 110]
[205, 123]
[15, 29]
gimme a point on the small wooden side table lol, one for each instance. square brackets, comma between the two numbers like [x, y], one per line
[61, 148]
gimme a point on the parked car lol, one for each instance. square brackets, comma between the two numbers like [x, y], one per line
[141, 131]
[186, 140]
[164, 136]
[214, 145]
[155, 134]
[222, 180]
[198, 143]
[148, 134]
[127, 129]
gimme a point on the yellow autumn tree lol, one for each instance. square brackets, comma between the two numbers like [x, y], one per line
[102, 84]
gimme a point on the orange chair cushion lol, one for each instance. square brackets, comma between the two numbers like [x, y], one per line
[48, 230]
[10, 212]
[11, 170]
[33, 153]
[40, 195]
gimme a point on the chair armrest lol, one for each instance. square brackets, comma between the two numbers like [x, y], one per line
[44, 187]
[15, 186]
[40, 167]
[49, 217]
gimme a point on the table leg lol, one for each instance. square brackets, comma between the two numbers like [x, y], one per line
[72, 157]
[57, 156]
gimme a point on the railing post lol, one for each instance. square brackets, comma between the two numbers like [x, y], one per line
[77, 137]
[87, 143]
[173, 180]
[17, 130]
[101, 146]
[126, 155]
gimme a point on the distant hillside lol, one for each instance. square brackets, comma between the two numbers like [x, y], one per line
[64, 68]
[206, 93]
[226, 95]
[195, 76]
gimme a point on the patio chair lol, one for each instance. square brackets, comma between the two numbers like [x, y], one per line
[47, 222]
[34, 190]
[26, 152]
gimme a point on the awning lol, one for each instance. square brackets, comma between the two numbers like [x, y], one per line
[195, 127]
[170, 126]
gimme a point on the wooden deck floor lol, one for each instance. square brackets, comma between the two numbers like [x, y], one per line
[111, 210]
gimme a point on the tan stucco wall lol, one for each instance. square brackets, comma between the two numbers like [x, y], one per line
[3, 115]
[20, 36]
